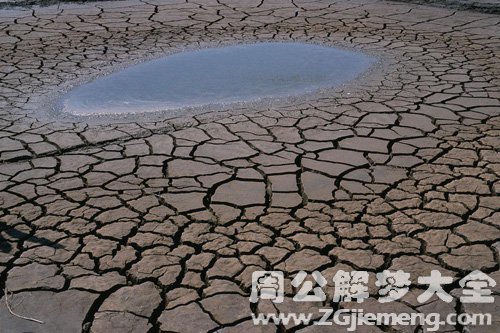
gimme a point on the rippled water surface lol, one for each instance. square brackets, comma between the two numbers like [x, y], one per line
[220, 75]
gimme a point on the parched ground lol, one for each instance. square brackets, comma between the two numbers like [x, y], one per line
[157, 226]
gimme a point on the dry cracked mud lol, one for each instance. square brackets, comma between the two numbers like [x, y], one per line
[157, 225]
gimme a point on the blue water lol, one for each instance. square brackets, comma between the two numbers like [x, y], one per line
[220, 75]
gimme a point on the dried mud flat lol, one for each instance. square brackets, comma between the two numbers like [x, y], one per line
[158, 225]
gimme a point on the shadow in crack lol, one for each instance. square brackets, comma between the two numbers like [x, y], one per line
[6, 245]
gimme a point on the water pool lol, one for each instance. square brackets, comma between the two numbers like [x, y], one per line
[220, 75]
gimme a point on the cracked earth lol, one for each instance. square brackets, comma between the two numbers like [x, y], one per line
[157, 226]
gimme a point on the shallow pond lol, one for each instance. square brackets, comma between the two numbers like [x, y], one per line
[220, 75]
